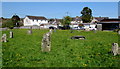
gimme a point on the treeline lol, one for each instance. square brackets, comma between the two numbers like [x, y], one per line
[12, 22]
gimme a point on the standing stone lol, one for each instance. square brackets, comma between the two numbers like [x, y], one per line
[11, 34]
[4, 38]
[46, 44]
[87, 29]
[30, 30]
[94, 31]
[119, 32]
[99, 27]
[54, 29]
[115, 49]
[50, 31]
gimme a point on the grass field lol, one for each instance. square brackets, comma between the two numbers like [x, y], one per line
[25, 50]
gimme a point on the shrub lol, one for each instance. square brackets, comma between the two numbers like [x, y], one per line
[8, 24]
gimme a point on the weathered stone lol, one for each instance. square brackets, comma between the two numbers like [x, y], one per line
[87, 29]
[99, 27]
[54, 30]
[46, 44]
[29, 31]
[115, 49]
[50, 31]
[94, 31]
[11, 34]
[119, 32]
[118, 50]
[4, 38]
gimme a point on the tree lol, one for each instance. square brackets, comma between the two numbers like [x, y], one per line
[15, 19]
[86, 15]
[8, 23]
[66, 22]
[51, 19]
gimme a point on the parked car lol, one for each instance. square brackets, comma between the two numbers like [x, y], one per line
[51, 27]
[75, 28]
[78, 28]
[92, 28]
[60, 27]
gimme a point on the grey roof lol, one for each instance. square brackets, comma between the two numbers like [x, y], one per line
[76, 18]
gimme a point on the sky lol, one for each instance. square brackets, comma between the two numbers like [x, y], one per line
[60, 0]
[119, 8]
[58, 9]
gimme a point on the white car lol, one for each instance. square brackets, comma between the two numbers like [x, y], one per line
[78, 28]
[92, 28]
[75, 28]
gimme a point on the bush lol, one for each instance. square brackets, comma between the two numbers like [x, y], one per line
[8, 24]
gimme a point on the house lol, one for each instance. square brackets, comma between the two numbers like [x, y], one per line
[76, 20]
[35, 21]
[54, 21]
[98, 19]
[109, 24]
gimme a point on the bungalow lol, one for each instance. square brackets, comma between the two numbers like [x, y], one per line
[54, 21]
[98, 19]
[35, 21]
[109, 24]
[76, 20]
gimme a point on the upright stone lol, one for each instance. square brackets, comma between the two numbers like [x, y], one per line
[50, 31]
[54, 29]
[11, 34]
[94, 31]
[4, 38]
[115, 49]
[46, 44]
[99, 27]
[87, 29]
[119, 32]
[30, 30]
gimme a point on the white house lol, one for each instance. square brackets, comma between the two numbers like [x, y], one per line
[94, 20]
[98, 19]
[76, 20]
[35, 20]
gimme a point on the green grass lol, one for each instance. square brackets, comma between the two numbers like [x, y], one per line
[25, 50]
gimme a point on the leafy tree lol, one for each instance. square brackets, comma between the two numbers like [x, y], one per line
[8, 23]
[51, 19]
[15, 19]
[86, 15]
[66, 22]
